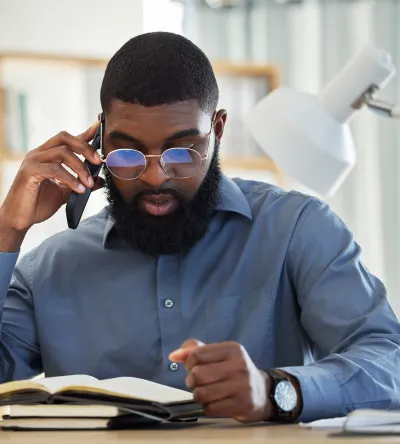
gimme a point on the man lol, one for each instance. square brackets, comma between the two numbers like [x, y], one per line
[252, 297]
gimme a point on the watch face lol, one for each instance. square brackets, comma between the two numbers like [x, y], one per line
[285, 396]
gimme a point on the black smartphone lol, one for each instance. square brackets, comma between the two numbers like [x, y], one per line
[77, 202]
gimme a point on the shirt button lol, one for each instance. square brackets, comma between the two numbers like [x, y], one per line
[169, 303]
[173, 366]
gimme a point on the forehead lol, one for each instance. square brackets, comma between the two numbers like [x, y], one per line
[160, 121]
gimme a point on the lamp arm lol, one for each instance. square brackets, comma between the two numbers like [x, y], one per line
[381, 107]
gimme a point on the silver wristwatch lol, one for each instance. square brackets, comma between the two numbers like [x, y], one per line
[283, 397]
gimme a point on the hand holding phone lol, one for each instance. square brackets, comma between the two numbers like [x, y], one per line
[42, 184]
[77, 202]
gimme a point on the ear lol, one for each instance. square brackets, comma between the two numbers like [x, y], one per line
[219, 123]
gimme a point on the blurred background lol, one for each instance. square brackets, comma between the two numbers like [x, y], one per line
[53, 56]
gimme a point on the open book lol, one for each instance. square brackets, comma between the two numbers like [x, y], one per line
[131, 395]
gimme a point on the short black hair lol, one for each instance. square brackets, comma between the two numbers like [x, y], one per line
[159, 68]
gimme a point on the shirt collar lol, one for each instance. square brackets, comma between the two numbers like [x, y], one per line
[109, 228]
[232, 200]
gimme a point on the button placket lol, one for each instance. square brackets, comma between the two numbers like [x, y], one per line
[169, 316]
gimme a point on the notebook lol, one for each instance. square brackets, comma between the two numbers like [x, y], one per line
[372, 422]
[132, 395]
[70, 417]
[60, 411]
[43, 424]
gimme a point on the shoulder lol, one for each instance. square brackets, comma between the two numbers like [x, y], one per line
[305, 222]
[291, 212]
[263, 198]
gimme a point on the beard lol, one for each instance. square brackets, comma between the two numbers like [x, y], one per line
[173, 233]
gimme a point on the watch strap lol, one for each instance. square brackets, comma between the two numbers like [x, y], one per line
[279, 415]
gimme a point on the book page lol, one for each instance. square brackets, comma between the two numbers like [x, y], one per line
[328, 423]
[16, 386]
[145, 390]
[134, 388]
[53, 423]
[61, 411]
[392, 429]
[368, 418]
[56, 383]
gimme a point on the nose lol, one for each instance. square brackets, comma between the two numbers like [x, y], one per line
[154, 175]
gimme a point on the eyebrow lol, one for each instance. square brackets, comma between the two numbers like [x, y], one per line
[178, 135]
[118, 135]
[184, 133]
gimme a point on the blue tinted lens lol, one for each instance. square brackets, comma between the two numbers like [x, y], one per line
[126, 164]
[181, 162]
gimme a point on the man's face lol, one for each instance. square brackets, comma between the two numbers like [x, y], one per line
[156, 213]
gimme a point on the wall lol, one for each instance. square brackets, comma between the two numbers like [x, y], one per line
[76, 27]
[80, 27]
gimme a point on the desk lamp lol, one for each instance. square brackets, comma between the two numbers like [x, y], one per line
[307, 135]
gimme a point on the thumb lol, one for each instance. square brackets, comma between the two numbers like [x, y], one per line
[182, 353]
[191, 344]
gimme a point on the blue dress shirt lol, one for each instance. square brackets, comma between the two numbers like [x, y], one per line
[278, 272]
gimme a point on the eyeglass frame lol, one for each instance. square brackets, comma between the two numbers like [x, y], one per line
[146, 156]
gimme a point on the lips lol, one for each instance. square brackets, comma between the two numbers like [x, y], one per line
[159, 204]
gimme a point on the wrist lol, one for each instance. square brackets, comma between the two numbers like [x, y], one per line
[10, 238]
[265, 412]
[268, 411]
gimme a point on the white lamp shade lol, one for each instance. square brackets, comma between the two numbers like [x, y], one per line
[304, 140]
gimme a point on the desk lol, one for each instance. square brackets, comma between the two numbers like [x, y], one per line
[207, 431]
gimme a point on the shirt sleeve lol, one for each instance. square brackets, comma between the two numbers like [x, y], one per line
[19, 350]
[346, 314]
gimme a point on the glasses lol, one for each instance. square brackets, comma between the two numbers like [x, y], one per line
[177, 162]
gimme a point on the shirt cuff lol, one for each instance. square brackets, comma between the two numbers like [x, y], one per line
[7, 265]
[320, 391]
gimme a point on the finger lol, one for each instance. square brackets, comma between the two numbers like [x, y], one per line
[241, 419]
[228, 407]
[208, 374]
[192, 343]
[57, 172]
[78, 146]
[184, 351]
[213, 392]
[212, 353]
[64, 191]
[63, 154]
[88, 135]
[179, 355]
